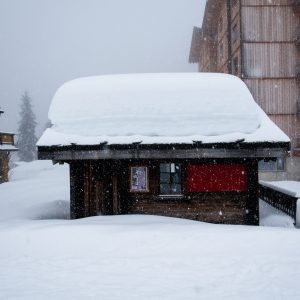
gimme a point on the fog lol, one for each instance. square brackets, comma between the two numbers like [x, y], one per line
[44, 43]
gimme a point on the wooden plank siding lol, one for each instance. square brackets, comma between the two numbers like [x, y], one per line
[266, 27]
[266, 2]
[269, 60]
[222, 39]
[6, 138]
[265, 55]
[93, 192]
[4, 160]
[270, 92]
[290, 125]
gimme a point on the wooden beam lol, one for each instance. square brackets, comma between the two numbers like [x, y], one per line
[70, 155]
[252, 205]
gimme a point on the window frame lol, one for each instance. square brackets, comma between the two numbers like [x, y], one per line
[170, 194]
[276, 164]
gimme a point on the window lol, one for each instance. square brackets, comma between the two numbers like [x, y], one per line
[139, 179]
[170, 179]
[272, 165]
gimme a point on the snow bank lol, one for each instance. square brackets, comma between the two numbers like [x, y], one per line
[147, 257]
[132, 257]
[37, 190]
[272, 217]
[157, 108]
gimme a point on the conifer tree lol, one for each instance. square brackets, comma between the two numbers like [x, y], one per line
[26, 130]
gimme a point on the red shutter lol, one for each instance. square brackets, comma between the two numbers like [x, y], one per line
[216, 178]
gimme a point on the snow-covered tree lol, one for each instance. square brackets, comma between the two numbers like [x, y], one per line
[26, 131]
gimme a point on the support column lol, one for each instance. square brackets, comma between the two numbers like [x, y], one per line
[252, 206]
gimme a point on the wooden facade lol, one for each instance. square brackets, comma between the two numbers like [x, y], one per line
[257, 40]
[214, 183]
[6, 147]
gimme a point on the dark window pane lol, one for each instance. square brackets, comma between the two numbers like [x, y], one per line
[165, 168]
[165, 177]
[170, 179]
[165, 189]
[176, 188]
[176, 178]
[267, 165]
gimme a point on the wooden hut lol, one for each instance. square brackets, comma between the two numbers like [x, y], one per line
[182, 145]
[6, 147]
[258, 40]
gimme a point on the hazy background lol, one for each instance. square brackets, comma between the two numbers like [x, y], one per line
[44, 43]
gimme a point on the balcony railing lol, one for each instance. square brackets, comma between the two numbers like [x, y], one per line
[279, 200]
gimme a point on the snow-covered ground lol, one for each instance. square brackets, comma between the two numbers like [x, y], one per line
[132, 257]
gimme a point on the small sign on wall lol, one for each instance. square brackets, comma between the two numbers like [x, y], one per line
[139, 179]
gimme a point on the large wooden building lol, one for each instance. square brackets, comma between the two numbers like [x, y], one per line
[181, 145]
[258, 40]
[6, 147]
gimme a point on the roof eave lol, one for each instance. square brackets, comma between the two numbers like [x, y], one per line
[165, 151]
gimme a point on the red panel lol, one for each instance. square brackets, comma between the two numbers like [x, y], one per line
[216, 178]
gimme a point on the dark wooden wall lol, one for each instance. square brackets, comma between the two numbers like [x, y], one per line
[265, 55]
[4, 159]
[103, 187]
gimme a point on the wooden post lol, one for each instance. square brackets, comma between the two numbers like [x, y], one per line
[252, 206]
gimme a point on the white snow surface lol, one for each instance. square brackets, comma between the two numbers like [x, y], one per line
[4, 147]
[157, 108]
[270, 216]
[132, 257]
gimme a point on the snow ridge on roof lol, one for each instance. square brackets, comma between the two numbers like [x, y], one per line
[157, 108]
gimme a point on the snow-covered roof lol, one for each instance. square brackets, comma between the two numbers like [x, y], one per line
[157, 108]
[8, 147]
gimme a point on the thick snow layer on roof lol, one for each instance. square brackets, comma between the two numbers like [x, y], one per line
[5, 147]
[157, 108]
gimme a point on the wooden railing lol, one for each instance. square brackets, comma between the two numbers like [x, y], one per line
[284, 202]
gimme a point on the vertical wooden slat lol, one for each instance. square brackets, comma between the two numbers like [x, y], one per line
[76, 190]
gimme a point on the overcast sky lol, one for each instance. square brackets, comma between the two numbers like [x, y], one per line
[44, 43]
